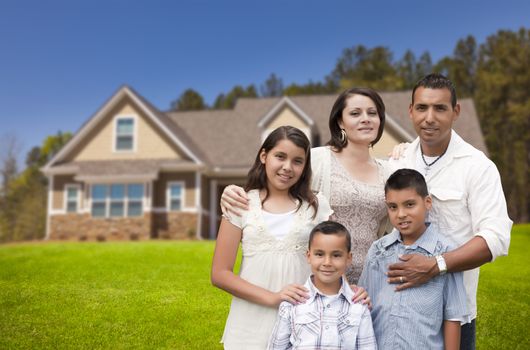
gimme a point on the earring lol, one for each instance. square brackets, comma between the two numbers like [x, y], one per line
[342, 136]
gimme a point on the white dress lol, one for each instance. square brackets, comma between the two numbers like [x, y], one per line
[270, 263]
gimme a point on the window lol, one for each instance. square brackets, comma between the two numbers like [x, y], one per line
[135, 194]
[99, 200]
[124, 134]
[175, 196]
[117, 200]
[72, 198]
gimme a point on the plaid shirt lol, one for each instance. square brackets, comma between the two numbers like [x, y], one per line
[323, 323]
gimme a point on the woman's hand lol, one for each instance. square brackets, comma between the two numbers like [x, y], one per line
[399, 150]
[293, 293]
[361, 295]
[233, 200]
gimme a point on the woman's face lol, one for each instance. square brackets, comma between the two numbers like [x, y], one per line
[360, 120]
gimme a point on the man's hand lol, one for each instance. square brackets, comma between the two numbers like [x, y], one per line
[233, 200]
[413, 270]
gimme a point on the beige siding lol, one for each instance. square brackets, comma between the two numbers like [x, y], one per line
[287, 117]
[385, 145]
[160, 188]
[149, 141]
[59, 181]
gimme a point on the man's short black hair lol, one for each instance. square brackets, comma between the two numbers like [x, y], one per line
[331, 228]
[436, 81]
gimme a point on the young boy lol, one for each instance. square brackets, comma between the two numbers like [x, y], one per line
[328, 319]
[424, 317]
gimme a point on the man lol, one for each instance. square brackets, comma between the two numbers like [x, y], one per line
[469, 206]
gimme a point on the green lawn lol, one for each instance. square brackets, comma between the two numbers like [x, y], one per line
[157, 294]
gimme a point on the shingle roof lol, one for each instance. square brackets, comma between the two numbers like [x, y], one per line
[147, 168]
[231, 138]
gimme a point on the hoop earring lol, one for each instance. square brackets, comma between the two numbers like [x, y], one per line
[342, 136]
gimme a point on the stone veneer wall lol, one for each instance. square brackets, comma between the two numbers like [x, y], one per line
[85, 227]
[175, 225]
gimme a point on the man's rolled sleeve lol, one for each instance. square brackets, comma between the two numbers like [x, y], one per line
[488, 210]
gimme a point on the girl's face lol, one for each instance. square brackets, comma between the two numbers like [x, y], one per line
[284, 164]
[360, 119]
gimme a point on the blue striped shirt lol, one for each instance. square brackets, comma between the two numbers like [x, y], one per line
[412, 318]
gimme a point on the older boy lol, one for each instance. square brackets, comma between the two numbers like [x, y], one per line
[328, 319]
[425, 317]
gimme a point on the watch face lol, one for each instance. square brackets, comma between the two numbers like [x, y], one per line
[441, 264]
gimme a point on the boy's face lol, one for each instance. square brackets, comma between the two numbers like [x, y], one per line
[328, 257]
[407, 211]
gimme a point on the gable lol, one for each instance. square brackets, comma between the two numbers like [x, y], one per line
[286, 113]
[286, 116]
[148, 142]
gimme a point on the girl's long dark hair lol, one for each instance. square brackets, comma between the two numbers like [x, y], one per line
[257, 177]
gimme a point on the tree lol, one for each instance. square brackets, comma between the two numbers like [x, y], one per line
[311, 88]
[272, 87]
[359, 66]
[23, 201]
[423, 66]
[189, 100]
[9, 148]
[410, 69]
[461, 67]
[502, 97]
[228, 101]
[406, 68]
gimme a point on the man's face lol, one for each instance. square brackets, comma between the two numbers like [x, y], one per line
[433, 117]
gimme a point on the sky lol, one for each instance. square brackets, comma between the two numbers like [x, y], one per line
[60, 60]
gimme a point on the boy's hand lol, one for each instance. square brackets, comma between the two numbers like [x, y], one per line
[413, 270]
[233, 200]
[361, 295]
[293, 293]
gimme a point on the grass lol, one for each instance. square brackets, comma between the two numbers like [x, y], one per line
[157, 295]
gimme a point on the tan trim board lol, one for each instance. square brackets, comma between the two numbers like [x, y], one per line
[285, 101]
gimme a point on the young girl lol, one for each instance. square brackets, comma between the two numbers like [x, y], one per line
[274, 234]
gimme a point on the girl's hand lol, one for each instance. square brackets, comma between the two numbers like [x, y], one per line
[233, 200]
[361, 295]
[293, 293]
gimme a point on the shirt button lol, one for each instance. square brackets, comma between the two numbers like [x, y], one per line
[328, 306]
[327, 327]
[347, 321]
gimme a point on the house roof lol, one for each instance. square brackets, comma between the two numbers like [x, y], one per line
[169, 128]
[226, 141]
[231, 138]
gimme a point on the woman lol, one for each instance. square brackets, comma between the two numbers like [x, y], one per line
[345, 173]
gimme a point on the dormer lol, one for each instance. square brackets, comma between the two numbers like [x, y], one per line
[286, 112]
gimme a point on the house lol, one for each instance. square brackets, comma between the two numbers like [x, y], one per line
[135, 172]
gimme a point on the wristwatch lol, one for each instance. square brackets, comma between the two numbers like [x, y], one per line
[441, 264]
